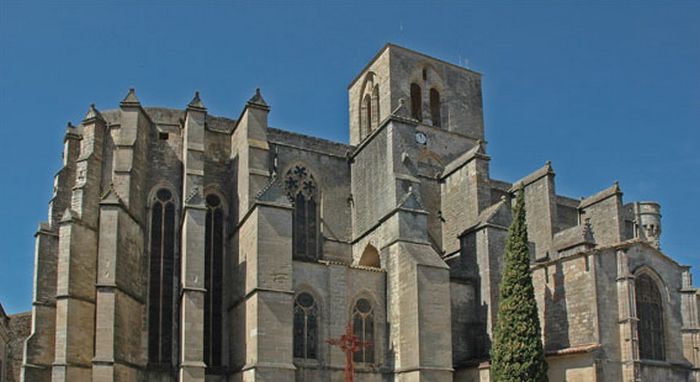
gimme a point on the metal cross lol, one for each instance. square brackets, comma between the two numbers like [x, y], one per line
[349, 344]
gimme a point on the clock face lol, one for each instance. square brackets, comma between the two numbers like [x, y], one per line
[421, 138]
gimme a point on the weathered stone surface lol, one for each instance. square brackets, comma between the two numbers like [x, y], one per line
[406, 217]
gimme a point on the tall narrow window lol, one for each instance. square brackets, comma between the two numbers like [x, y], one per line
[416, 102]
[213, 280]
[161, 272]
[650, 328]
[302, 192]
[305, 327]
[367, 121]
[435, 107]
[375, 107]
[363, 329]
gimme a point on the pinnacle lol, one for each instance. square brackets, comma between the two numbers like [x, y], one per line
[548, 166]
[257, 99]
[131, 99]
[93, 113]
[196, 102]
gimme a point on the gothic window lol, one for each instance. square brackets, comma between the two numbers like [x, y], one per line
[435, 107]
[213, 280]
[367, 114]
[369, 105]
[303, 193]
[375, 107]
[363, 329]
[416, 102]
[650, 328]
[305, 327]
[161, 280]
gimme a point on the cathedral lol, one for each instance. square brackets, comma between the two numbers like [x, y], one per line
[183, 246]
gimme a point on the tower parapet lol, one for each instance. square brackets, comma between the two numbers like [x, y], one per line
[647, 219]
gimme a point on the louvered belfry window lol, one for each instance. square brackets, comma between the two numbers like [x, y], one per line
[213, 280]
[363, 329]
[161, 281]
[650, 328]
[416, 102]
[435, 107]
[303, 193]
[305, 327]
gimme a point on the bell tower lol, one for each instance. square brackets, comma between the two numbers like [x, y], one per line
[436, 94]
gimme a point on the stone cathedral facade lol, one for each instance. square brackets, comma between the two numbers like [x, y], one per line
[182, 246]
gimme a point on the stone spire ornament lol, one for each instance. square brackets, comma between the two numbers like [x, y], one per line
[131, 99]
[196, 102]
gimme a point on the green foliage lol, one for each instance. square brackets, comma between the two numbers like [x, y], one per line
[517, 354]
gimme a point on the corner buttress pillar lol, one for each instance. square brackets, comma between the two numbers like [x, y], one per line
[192, 366]
[77, 260]
[629, 350]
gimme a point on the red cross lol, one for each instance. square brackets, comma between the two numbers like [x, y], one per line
[349, 344]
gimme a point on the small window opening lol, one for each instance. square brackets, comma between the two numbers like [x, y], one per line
[163, 136]
[416, 102]
[435, 107]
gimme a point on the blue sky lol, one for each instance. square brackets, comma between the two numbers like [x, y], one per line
[605, 91]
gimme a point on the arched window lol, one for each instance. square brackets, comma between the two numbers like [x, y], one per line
[416, 102]
[213, 280]
[370, 257]
[650, 328]
[375, 107]
[435, 107]
[367, 120]
[305, 327]
[161, 278]
[303, 193]
[363, 329]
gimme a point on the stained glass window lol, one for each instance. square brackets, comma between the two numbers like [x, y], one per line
[305, 327]
[363, 329]
[303, 193]
[213, 280]
[650, 328]
[161, 281]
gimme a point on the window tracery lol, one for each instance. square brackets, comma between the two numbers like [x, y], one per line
[305, 327]
[161, 278]
[363, 329]
[650, 328]
[303, 193]
[213, 280]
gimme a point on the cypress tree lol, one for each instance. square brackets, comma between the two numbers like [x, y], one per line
[517, 354]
